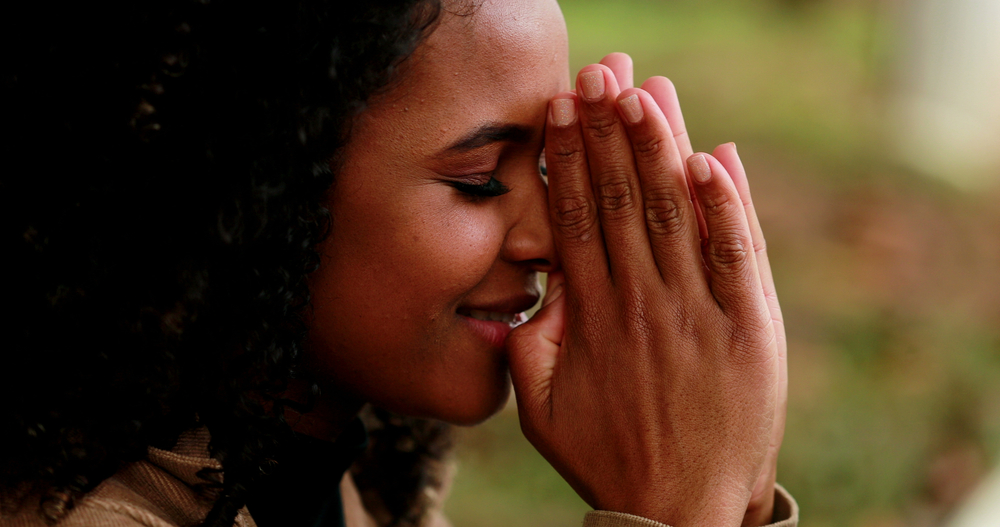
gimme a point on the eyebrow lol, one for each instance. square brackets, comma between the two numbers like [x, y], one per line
[488, 134]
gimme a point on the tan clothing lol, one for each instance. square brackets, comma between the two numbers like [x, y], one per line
[786, 514]
[156, 492]
[162, 491]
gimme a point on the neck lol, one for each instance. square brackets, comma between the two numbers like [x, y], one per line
[330, 414]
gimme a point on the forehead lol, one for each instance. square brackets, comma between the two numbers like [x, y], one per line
[497, 61]
[496, 38]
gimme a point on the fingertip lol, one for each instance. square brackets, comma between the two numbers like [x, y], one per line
[546, 326]
[664, 93]
[729, 160]
[725, 149]
[629, 91]
[631, 108]
[594, 81]
[637, 104]
[706, 168]
[720, 171]
[621, 65]
[699, 168]
[659, 81]
[562, 110]
[728, 157]
[616, 57]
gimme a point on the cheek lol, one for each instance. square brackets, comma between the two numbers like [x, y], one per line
[395, 266]
[392, 276]
[467, 243]
[429, 254]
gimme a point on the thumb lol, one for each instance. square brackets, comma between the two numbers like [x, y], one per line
[533, 348]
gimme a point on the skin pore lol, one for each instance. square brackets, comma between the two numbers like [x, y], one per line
[421, 234]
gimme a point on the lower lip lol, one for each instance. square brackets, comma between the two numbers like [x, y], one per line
[495, 333]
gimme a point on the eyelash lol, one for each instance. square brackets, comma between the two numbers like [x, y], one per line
[490, 189]
[494, 187]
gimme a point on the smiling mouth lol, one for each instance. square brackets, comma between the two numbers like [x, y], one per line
[491, 316]
[512, 319]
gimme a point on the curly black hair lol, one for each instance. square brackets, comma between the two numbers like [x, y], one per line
[162, 195]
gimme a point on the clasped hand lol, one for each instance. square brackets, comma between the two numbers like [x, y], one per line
[653, 379]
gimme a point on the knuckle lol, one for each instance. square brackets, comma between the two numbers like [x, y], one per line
[664, 214]
[614, 195]
[648, 148]
[601, 127]
[574, 217]
[729, 253]
[721, 204]
[760, 246]
[565, 155]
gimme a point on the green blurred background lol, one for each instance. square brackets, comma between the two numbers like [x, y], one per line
[888, 267]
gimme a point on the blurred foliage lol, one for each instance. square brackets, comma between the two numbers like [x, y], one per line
[889, 282]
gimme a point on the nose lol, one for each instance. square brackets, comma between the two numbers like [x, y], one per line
[529, 240]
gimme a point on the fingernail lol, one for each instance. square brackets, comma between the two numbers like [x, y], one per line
[592, 84]
[698, 166]
[632, 108]
[733, 145]
[563, 112]
[552, 295]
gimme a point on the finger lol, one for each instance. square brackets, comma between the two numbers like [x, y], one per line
[726, 155]
[734, 279]
[670, 216]
[730, 160]
[533, 350]
[665, 95]
[613, 175]
[621, 65]
[576, 231]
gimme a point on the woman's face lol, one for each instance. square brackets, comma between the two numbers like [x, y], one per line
[426, 252]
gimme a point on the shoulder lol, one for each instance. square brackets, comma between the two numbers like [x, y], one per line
[164, 490]
[108, 512]
[91, 511]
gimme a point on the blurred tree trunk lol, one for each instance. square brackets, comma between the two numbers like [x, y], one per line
[946, 107]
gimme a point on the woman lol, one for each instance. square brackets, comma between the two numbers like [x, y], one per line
[160, 353]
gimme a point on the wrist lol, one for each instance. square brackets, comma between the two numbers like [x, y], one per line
[719, 508]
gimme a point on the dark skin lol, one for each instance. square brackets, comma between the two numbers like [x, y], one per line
[653, 379]
[708, 355]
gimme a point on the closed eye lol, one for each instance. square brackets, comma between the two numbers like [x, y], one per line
[490, 189]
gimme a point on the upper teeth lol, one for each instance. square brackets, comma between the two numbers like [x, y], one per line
[492, 316]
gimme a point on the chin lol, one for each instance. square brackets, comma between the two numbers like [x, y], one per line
[471, 415]
[464, 408]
